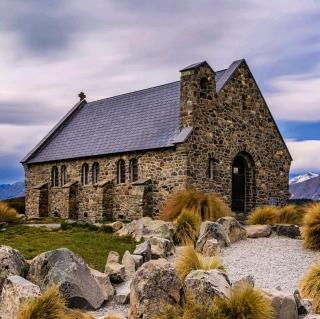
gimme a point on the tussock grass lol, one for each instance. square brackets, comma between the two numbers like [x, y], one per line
[310, 286]
[198, 308]
[169, 312]
[266, 215]
[76, 314]
[311, 227]
[207, 206]
[50, 305]
[290, 214]
[187, 227]
[189, 260]
[244, 302]
[7, 213]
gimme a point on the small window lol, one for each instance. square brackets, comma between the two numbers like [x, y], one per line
[121, 172]
[244, 104]
[95, 173]
[64, 178]
[54, 176]
[212, 167]
[85, 174]
[134, 170]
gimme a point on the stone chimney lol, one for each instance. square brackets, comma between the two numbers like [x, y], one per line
[197, 87]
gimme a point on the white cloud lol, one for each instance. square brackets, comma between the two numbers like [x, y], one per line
[306, 155]
[296, 97]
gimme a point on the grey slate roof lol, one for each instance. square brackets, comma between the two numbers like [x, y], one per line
[141, 120]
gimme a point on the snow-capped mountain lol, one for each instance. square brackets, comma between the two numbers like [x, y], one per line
[306, 186]
[302, 178]
[11, 190]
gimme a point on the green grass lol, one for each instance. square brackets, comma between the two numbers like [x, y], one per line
[92, 246]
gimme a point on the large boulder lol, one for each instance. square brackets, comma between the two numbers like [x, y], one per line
[258, 231]
[212, 230]
[15, 291]
[146, 227]
[234, 230]
[70, 274]
[207, 284]
[104, 282]
[283, 303]
[287, 230]
[211, 248]
[155, 285]
[161, 247]
[11, 263]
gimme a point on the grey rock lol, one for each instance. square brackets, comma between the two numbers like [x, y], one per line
[258, 231]
[283, 303]
[129, 264]
[122, 296]
[138, 259]
[70, 274]
[287, 230]
[207, 284]
[212, 230]
[155, 285]
[249, 280]
[116, 272]
[11, 263]
[161, 247]
[104, 282]
[3, 226]
[303, 306]
[113, 257]
[15, 291]
[144, 250]
[234, 230]
[211, 248]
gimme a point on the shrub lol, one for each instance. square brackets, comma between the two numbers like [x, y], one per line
[263, 215]
[187, 227]
[49, 305]
[310, 286]
[244, 302]
[198, 309]
[290, 214]
[76, 314]
[207, 206]
[7, 213]
[169, 312]
[189, 260]
[311, 227]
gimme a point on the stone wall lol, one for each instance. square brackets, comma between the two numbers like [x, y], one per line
[225, 124]
[160, 171]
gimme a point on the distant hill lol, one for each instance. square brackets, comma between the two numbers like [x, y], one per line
[11, 190]
[305, 186]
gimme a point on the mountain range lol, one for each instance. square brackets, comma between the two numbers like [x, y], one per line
[305, 186]
[11, 190]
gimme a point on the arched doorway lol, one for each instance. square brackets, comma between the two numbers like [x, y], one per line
[243, 183]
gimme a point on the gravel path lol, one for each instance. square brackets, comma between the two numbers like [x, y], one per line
[274, 261]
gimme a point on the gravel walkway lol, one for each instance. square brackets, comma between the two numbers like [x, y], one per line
[274, 261]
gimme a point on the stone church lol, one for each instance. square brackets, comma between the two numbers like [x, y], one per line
[121, 157]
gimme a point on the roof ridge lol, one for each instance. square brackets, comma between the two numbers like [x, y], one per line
[132, 92]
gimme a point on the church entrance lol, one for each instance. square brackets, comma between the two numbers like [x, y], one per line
[243, 183]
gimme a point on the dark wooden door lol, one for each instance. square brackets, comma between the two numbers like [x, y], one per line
[238, 186]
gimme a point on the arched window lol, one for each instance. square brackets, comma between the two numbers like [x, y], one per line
[134, 170]
[54, 176]
[212, 167]
[95, 173]
[121, 172]
[85, 174]
[64, 178]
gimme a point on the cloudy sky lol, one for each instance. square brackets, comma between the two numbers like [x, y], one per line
[52, 50]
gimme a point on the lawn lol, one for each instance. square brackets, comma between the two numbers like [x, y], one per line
[93, 246]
